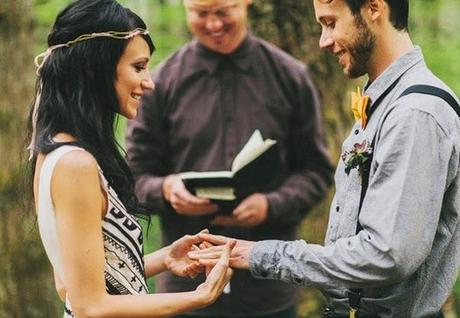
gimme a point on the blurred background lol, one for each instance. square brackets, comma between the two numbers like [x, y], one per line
[26, 284]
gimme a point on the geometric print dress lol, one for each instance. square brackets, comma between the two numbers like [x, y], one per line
[123, 243]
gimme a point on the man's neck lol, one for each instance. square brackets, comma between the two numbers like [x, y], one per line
[389, 47]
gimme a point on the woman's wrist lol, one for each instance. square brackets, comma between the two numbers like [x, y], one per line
[165, 257]
[155, 262]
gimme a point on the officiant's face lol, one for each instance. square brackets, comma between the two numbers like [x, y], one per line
[220, 25]
[345, 35]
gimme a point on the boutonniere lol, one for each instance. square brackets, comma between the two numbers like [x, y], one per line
[359, 156]
[359, 106]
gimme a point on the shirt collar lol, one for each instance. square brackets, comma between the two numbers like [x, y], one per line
[382, 83]
[210, 60]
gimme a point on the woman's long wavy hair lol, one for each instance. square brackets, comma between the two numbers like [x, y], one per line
[78, 94]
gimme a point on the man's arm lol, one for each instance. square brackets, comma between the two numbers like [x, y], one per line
[399, 216]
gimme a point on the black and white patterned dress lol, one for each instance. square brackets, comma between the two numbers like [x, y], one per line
[124, 263]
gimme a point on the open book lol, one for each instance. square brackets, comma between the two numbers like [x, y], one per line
[252, 169]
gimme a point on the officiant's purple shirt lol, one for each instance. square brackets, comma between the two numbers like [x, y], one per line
[203, 110]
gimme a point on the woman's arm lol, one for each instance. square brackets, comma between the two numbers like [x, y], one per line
[60, 289]
[78, 203]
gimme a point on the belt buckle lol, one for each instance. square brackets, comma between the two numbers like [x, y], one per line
[329, 313]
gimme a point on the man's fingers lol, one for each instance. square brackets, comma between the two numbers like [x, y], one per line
[244, 216]
[213, 239]
[208, 262]
[210, 252]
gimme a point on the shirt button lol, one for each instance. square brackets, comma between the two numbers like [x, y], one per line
[337, 208]
[356, 131]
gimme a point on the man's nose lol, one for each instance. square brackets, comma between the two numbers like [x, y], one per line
[213, 23]
[325, 41]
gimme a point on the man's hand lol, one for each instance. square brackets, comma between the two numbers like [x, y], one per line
[177, 260]
[252, 211]
[239, 257]
[183, 201]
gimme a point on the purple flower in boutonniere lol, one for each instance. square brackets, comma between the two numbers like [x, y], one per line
[358, 157]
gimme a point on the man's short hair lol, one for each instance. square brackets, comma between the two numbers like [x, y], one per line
[399, 11]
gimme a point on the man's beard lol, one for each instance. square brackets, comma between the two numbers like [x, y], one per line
[361, 49]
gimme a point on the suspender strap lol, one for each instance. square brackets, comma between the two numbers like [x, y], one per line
[355, 294]
[435, 91]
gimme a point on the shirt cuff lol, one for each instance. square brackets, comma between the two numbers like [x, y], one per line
[274, 206]
[264, 259]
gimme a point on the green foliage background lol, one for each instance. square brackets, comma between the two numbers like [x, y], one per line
[26, 286]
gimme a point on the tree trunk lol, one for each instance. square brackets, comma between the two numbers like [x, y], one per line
[26, 288]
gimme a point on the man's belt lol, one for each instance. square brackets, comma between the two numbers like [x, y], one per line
[330, 313]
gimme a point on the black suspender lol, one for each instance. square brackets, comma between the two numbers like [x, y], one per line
[354, 294]
[435, 91]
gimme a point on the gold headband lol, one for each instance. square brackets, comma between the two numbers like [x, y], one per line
[84, 37]
[44, 56]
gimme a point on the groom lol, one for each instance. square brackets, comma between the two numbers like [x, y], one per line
[392, 247]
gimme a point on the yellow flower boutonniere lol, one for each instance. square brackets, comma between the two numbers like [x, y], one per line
[358, 106]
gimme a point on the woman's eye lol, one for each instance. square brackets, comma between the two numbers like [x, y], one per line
[139, 67]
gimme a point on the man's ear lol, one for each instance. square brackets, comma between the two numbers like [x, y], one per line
[376, 8]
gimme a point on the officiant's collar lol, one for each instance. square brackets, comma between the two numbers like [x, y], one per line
[210, 60]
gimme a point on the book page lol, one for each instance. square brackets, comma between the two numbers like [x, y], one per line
[206, 174]
[251, 150]
[216, 193]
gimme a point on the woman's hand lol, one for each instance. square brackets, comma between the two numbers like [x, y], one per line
[217, 277]
[177, 260]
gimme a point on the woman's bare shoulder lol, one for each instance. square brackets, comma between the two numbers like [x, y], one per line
[76, 172]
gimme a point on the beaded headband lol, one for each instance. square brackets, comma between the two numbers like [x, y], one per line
[41, 58]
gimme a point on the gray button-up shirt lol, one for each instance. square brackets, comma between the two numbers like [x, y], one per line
[407, 256]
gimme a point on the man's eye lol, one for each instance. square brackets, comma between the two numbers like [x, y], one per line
[202, 14]
[222, 13]
[330, 25]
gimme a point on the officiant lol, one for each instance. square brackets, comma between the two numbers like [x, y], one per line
[209, 98]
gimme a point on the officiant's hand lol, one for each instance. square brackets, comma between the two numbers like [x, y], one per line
[252, 211]
[183, 201]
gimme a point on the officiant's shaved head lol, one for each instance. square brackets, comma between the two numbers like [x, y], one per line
[220, 25]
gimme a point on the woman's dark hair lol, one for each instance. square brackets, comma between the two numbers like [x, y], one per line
[78, 94]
